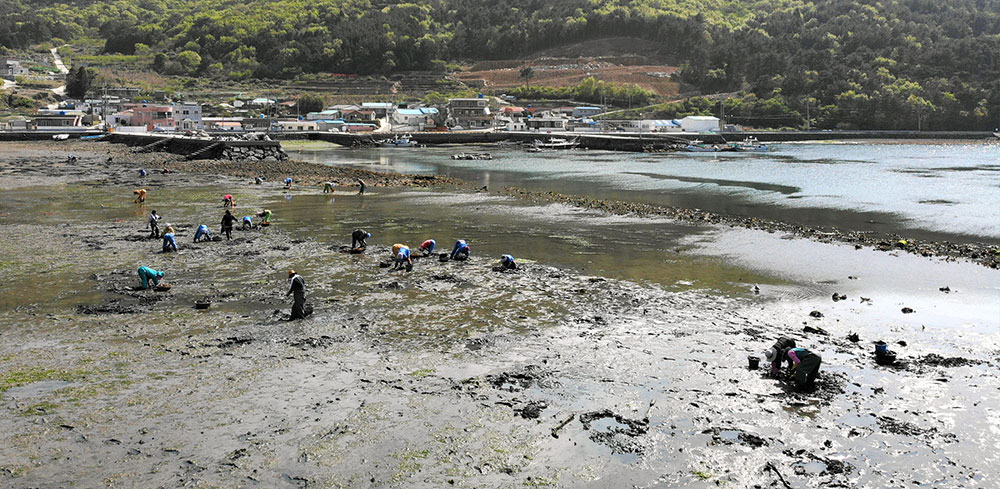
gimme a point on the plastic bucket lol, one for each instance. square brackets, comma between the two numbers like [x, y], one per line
[881, 348]
[753, 361]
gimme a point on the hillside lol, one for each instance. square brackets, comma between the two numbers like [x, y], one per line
[890, 64]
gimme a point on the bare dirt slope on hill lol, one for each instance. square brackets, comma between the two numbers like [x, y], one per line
[619, 60]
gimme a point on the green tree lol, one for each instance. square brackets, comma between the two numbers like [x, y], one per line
[188, 61]
[310, 103]
[78, 81]
[527, 73]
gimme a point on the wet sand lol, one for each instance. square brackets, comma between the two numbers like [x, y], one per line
[450, 375]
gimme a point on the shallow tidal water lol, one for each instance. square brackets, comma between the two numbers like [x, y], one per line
[927, 190]
[416, 380]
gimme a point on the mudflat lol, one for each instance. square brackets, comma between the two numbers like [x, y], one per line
[450, 375]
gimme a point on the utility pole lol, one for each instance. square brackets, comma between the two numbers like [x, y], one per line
[807, 113]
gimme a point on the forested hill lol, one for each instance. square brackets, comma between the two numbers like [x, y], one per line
[930, 56]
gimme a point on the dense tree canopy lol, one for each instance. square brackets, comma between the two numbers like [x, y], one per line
[848, 63]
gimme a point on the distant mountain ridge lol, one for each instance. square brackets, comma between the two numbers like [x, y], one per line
[862, 62]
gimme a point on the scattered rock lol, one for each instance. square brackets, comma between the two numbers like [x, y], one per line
[816, 314]
[839, 297]
[907, 310]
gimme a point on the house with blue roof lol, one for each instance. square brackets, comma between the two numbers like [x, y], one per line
[417, 119]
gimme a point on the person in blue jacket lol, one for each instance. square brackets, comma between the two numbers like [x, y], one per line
[461, 250]
[202, 232]
[168, 239]
[247, 223]
[147, 274]
[507, 262]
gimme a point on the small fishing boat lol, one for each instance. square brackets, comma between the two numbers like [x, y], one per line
[698, 146]
[556, 143]
[60, 137]
[398, 142]
[750, 144]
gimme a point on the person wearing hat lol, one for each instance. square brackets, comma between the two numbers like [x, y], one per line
[774, 355]
[169, 244]
[328, 188]
[402, 254]
[358, 238]
[298, 288]
[266, 217]
[803, 364]
[228, 219]
[146, 275]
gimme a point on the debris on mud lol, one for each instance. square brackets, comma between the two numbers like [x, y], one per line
[615, 431]
[730, 436]
[519, 380]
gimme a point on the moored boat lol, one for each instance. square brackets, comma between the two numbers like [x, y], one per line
[556, 143]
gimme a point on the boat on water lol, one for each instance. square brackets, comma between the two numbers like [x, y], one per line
[698, 146]
[750, 145]
[556, 143]
[60, 137]
[472, 156]
[398, 142]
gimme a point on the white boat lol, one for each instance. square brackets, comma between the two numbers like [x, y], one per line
[399, 142]
[60, 137]
[751, 144]
[556, 143]
[698, 146]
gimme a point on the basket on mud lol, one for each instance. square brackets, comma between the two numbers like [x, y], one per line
[202, 304]
[162, 288]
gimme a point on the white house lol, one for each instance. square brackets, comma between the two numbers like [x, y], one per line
[11, 68]
[187, 117]
[699, 123]
[289, 126]
[579, 112]
[546, 122]
[413, 119]
[381, 109]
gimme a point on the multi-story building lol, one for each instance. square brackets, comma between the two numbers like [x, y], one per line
[470, 113]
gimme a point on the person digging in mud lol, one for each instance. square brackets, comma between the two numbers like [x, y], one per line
[507, 263]
[297, 287]
[258, 180]
[141, 195]
[361, 191]
[427, 247]
[803, 365]
[402, 257]
[461, 250]
[142, 173]
[328, 188]
[779, 347]
[247, 223]
[202, 232]
[266, 215]
[169, 244]
[71, 158]
[146, 275]
[288, 183]
[227, 201]
[228, 219]
[154, 226]
[358, 238]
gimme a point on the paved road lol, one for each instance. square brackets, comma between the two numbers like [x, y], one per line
[58, 61]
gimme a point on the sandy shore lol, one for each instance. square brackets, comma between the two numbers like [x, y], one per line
[450, 375]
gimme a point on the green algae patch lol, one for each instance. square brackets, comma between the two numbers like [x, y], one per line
[40, 409]
[18, 378]
[424, 372]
